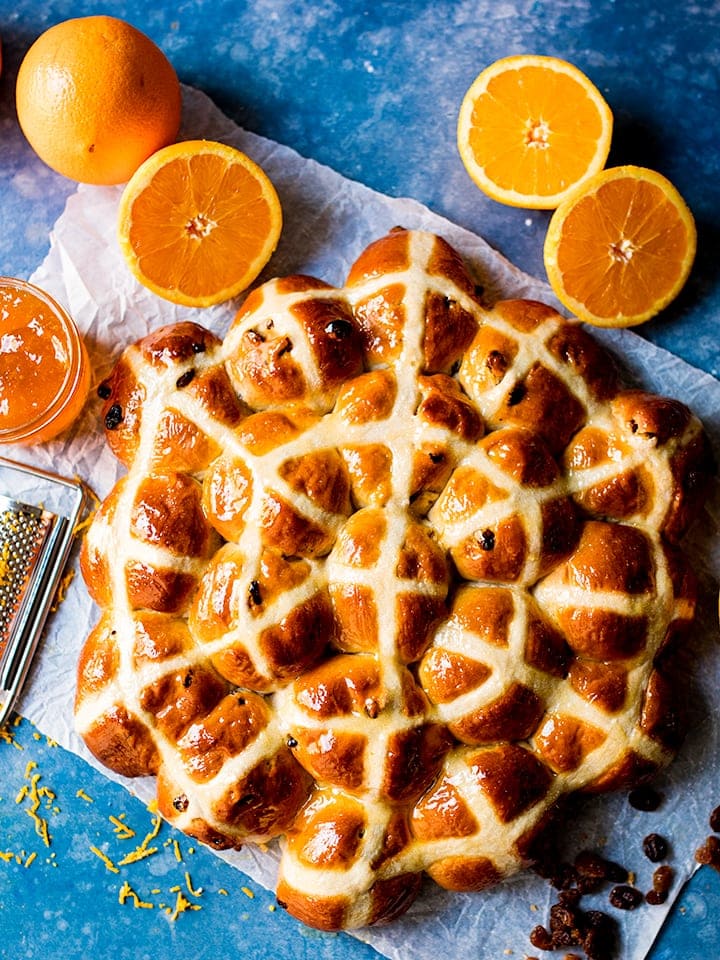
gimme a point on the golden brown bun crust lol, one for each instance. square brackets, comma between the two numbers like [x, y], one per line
[391, 573]
[265, 368]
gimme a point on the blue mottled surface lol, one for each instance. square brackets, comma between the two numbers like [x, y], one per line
[372, 90]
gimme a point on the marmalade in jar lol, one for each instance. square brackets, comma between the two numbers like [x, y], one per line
[44, 367]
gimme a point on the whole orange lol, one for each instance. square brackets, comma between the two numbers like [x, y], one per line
[95, 97]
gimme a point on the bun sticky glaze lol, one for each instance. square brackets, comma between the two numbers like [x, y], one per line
[389, 575]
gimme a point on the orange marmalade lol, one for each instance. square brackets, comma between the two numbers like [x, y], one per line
[44, 367]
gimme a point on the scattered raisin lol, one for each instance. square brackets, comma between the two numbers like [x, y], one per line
[284, 346]
[104, 391]
[709, 853]
[339, 329]
[247, 800]
[291, 742]
[655, 897]
[569, 937]
[570, 898]
[597, 920]
[600, 938]
[561, 917]
[591, 864]
[715, 820]
[644, 798]
[181, 803]
[372, 708]
[254, 593]
[655, 847]
[487, 540]
[563, 876]
[185, 378]
[198, 347]
[497, 364]
[625, 897]
[591, 871]
[517, 394]
[615, 873]
[541, 938]
[587, 885]
[114, 417]
[662, 879]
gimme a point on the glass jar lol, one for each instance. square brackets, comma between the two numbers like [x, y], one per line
[44, 366]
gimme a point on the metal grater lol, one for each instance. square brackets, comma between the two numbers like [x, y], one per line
[35, 544]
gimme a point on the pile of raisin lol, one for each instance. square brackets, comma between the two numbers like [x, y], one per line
[570, 925]
[593, 931]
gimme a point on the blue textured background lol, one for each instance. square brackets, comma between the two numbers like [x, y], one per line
[371, 89]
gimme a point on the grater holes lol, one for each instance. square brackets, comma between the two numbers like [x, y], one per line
[22, 532]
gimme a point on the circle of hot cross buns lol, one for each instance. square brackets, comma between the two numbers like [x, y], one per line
[390, 573]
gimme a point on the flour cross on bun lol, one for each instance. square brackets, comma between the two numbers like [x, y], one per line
[391, 573]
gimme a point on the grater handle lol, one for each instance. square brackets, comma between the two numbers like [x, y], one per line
[29, 631]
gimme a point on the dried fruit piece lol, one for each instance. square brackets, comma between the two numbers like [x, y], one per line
[644, 798]
[655, 847]
[625, 897]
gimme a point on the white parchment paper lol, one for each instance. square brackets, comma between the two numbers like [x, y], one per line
[328, 220]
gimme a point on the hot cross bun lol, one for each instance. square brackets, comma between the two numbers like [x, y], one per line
[390, 574]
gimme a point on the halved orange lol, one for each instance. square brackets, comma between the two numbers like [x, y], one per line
[198, 221]
[531, 128]
[620, 248]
